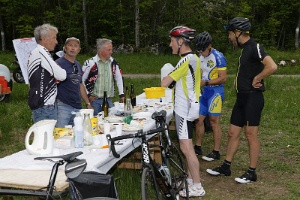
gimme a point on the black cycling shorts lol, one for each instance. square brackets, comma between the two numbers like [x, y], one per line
[247, 109]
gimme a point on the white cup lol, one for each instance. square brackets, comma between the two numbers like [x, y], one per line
[118, 129]
[103, 140]
[96, 140]
[116, 105]
[106, 127]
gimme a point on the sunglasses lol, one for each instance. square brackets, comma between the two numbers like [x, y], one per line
[75, 69]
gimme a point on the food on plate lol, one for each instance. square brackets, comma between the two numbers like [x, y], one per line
[60, 132]
[114, 119]
[130, 128]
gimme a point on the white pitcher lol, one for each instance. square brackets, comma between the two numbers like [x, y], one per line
[43, 140]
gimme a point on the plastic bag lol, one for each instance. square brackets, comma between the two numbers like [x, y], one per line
[92, 184]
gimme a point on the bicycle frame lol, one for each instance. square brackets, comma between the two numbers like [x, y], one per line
[161, 180]
[147, 162]
[74, 167]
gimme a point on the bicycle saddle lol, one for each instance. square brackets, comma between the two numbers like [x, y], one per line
[66, 157]
[161, 113]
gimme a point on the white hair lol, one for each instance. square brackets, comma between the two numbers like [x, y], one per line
[43, 30]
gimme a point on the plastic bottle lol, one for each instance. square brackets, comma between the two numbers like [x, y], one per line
[105, 105]
[164, 170]
[78, 131]
[87, 130]
[165, 70]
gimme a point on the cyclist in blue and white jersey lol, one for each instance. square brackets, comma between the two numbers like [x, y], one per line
[213, 65]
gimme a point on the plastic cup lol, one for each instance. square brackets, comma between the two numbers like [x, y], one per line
[106, 128]
[96, 140]
[103, 140]
[118, 129]
[116, 105]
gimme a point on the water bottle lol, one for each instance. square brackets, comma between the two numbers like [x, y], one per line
[164, 170]
[87, 130]
[78, 131]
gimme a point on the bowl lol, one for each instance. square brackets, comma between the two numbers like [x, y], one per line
[155, 92]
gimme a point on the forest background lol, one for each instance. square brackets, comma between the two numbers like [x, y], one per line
[138, 25]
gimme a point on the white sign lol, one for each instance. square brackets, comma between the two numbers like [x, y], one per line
[23, 47]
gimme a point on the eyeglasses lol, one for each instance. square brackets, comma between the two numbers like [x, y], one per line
[75, 69]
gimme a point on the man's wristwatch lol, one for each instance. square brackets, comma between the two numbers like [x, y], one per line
[206, 83]
[88, 104]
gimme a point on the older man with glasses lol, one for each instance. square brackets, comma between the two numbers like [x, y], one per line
[71, 90]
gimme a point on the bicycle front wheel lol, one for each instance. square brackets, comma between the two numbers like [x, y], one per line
[150, 189]
[177, 169]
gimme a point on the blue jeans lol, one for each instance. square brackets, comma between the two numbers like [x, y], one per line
[64, 114]
[45, 112]
[97, 105]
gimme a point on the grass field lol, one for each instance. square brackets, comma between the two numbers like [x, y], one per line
[279, 164]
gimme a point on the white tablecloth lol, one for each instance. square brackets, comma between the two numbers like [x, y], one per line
[99, 160]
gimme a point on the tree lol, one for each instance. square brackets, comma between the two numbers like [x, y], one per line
[297, 32]
[2, 35]
[137, 24]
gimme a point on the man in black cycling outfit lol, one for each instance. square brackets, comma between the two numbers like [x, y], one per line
[254, 65]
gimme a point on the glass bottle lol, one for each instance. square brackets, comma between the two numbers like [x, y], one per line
[126, 95]
[87, 130]
[128, 107]
[132, 96]
[105, 105]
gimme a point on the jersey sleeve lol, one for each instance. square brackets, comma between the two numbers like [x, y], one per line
[261, 54]
[221, 61]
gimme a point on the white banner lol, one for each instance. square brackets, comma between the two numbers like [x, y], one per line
[23, 47]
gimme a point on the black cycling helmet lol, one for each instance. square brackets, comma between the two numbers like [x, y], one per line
[239, 23]
[202, 41]
[183, 31]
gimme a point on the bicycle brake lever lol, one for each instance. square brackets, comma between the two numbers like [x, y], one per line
[112, 146]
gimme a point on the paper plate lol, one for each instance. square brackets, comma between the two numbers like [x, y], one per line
[130, 128]
[139, 115]
[114, 119]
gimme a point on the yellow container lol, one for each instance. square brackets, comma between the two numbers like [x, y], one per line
[155, 92]
[95, 130]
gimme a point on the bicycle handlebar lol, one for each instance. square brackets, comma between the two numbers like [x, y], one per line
[139, 134]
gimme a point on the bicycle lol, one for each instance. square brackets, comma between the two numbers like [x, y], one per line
[159, 181]
[74, 167]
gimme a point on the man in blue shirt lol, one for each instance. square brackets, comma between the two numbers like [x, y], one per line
[71, 90]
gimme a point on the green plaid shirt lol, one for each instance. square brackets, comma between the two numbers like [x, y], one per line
[104, 81]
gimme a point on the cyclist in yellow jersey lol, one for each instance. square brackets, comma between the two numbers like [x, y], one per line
[186, 78]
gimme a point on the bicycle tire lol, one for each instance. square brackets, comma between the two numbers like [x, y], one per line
[150, 189]
[177, 169]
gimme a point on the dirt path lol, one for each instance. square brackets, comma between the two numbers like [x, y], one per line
[158, 75]
[141, 75]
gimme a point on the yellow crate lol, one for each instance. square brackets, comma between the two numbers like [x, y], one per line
[155, 92]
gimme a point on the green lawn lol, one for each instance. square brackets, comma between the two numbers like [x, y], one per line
[279, 165]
